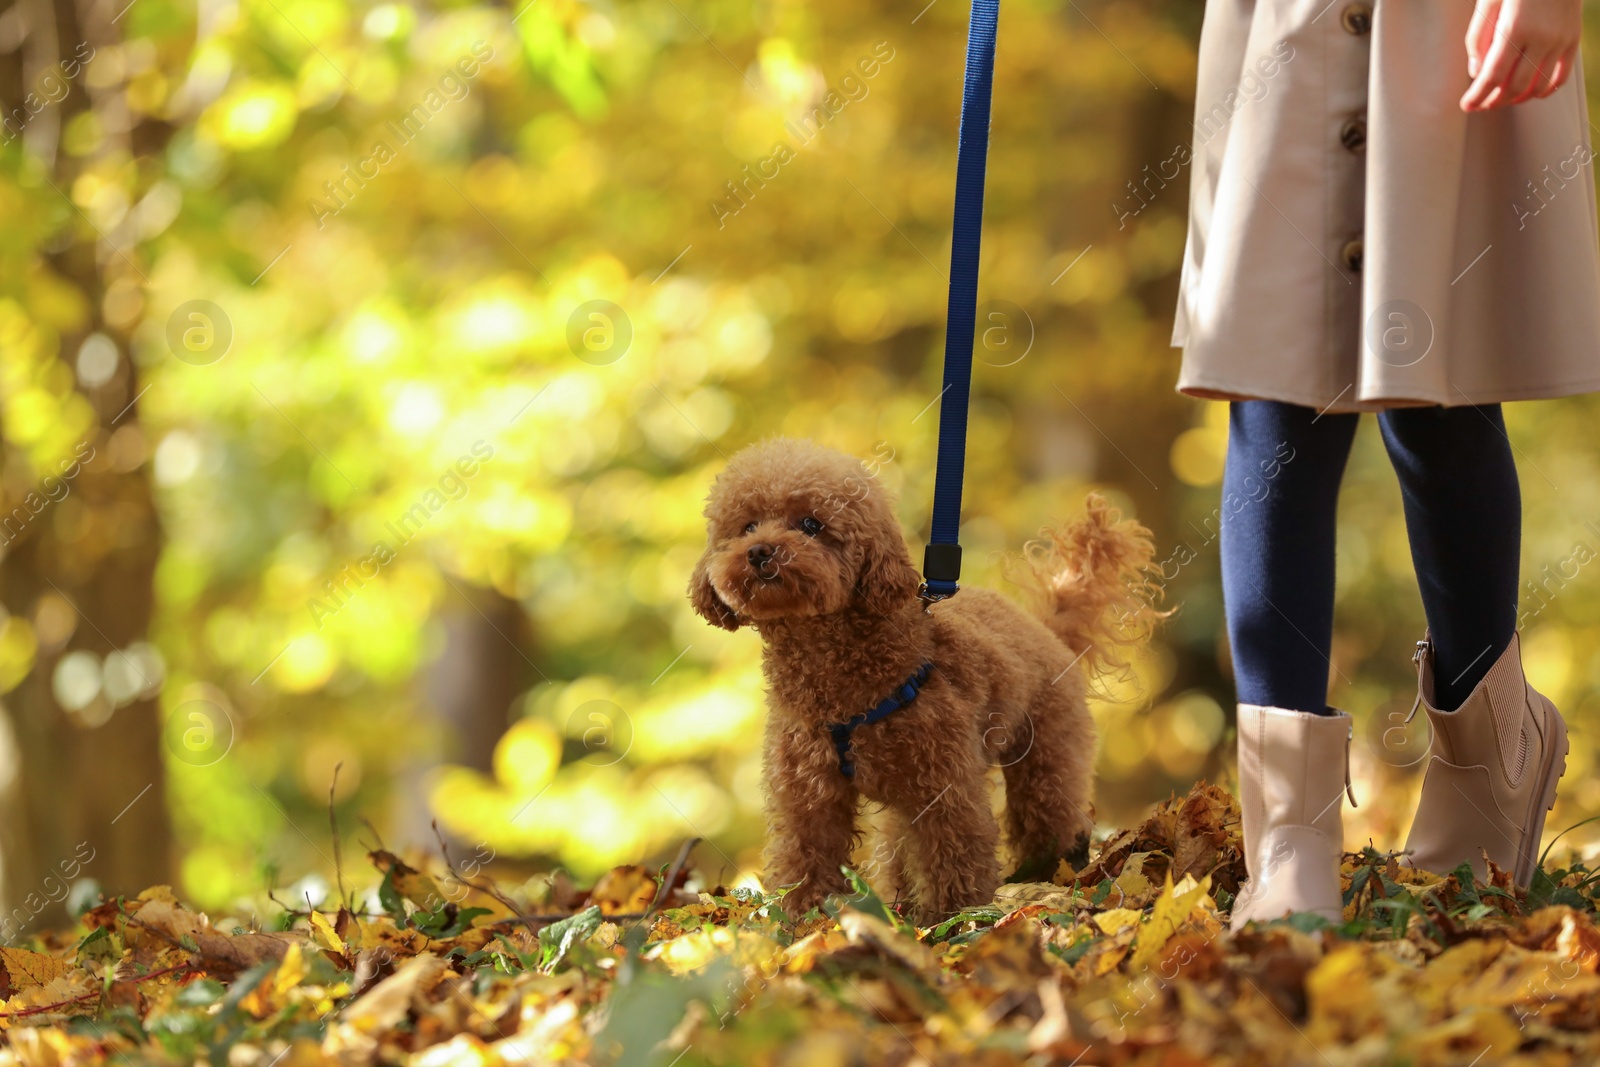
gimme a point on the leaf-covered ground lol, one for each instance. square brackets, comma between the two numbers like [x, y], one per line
[1125, 962]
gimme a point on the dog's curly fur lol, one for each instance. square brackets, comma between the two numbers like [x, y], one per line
[842, 627]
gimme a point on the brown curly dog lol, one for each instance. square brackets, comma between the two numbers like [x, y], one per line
[803, 545]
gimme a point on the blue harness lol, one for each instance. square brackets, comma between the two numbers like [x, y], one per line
[896, 700]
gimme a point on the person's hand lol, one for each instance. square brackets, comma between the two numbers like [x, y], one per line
[1519, 50]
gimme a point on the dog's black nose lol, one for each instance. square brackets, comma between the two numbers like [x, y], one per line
[759, 555]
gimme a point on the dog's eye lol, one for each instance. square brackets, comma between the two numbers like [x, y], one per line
[750, 527]
[810, 526]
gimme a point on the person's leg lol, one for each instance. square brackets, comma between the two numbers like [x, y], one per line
[1280, 494]
[1464, 519]
[1279, 499]
[1499, 746]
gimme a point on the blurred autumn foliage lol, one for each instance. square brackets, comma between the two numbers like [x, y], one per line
[391, 348]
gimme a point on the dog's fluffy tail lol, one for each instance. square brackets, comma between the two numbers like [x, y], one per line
[1096, 585]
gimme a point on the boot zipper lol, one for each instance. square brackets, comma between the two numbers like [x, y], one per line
[1423, 647]
[1349, 790]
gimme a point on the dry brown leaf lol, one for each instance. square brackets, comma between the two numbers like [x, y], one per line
[867, 930]
[222, 954]
[386, 1004]
[1021, 894]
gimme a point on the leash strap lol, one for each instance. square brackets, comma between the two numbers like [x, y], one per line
[941, 563]
[896, 700]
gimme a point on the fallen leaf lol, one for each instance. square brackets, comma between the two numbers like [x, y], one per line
[624, 890]
[409, 882]
[1018, 894]
[386, 1004]
[21, 969]
[1173, 908]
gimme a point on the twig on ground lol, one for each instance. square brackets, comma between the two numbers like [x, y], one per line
[333, 825]
[45, 1009]
[489, 888]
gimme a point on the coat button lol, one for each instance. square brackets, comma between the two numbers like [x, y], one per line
[1357, 18]
[1351, 254]
[1353, 135]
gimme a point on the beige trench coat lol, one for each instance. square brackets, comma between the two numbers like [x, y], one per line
[1356, 241]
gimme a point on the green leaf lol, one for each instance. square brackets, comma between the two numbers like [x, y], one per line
[1469, 885]
[102, 933]
[865, 899]
[1541, 891]
[559, 937]
[389, 897]
[1307, 922]
[1567, 895]
[447, 921]
[988, 913]
[1075, 951]
[1358, 882]
[509, 948]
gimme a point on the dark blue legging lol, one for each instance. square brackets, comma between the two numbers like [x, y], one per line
[1280, 488]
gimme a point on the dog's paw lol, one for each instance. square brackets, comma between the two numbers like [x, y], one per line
[1042, 866]
[1078, 855]
[799, 903]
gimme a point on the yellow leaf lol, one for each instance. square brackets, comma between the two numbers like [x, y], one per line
[742, 948]
[1349, 991]
[1133, 887]
[1109, 958]
[1117, 919]
[803, 955]
[24, 969]
[623, 890]
[1172, 909]
[291, 971]
[270, 996]
[323, 933]
[1493, 1032]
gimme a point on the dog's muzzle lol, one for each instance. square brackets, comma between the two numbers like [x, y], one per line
[762, 561]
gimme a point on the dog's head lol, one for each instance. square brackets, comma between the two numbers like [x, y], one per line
[796, 529]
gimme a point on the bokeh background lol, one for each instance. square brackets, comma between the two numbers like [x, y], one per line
[363, 367]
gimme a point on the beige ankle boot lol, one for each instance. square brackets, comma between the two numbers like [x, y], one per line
[1492, 772]
[1294, 773]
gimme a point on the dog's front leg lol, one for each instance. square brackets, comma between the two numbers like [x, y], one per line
[956, 843]
[811, 817]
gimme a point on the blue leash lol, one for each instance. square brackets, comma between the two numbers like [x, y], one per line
[941, 562]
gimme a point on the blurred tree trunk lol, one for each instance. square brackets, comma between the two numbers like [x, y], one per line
[469, 690]
[89, 782]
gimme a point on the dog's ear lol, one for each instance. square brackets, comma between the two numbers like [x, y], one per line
[704, 597]
[887, 579]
